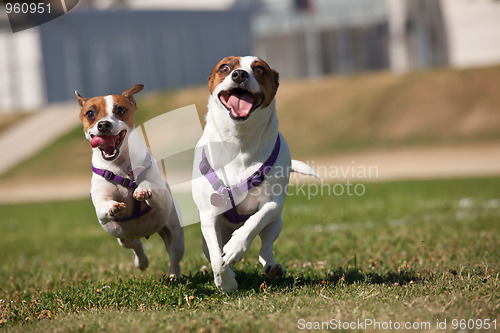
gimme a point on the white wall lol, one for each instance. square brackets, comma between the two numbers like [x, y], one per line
[473, 28]
[21, 70]
[398, 52]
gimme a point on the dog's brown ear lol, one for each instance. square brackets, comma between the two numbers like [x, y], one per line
[129, 93]
[134, 90]
[81, 100]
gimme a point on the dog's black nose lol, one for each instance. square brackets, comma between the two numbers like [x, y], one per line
[104, 126]
[239, 76]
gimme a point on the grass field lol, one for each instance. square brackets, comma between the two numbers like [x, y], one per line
[417, 252]
[408, 251]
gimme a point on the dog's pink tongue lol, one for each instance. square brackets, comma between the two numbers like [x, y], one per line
[104, 142]
[241, 104]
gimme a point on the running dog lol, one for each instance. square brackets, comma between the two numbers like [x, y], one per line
[131, 201]
[241, 168]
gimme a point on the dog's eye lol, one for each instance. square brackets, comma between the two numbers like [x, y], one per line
[259, 70]
[120, 110]
[224, 69]
[90, 114]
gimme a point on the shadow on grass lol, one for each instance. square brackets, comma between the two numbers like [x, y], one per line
[254, 280]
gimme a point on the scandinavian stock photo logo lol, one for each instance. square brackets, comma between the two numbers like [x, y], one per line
[171, 140]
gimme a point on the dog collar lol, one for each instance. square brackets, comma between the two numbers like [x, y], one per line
[228, 192]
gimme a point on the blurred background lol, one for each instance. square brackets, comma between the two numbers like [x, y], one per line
[357, 76]
[169, 44]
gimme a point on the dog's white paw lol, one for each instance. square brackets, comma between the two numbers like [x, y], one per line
[142, 194]
[118, 210]
[225, 280]
[233, 251]
[274, 271]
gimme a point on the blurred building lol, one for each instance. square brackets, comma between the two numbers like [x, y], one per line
[315, 37]
[107, 45]
[106, 51]
[21, 69]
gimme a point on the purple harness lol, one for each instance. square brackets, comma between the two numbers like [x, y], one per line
[110, 176]
[228, 192]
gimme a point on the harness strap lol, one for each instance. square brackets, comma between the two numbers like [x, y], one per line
[126, 182]
[108, 175]
[239, 189]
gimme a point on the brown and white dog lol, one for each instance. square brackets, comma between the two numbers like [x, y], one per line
[241, 168]
[131, 201]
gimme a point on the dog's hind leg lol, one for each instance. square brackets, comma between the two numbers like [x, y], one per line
[268, 236]
[173, 238]
[141, 260]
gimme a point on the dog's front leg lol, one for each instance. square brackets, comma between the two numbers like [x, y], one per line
[153, 189]
[154, 197]
[243, 237]
[107, 210]
[224, 276]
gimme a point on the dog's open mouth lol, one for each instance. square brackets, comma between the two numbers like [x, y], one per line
[240, 102]
[109, 145]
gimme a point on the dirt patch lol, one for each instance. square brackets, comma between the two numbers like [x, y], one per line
[371, 111]
[7, 120]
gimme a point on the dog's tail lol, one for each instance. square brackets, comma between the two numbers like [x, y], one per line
[301, 167]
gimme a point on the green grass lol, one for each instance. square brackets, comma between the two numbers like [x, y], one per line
[408, 251]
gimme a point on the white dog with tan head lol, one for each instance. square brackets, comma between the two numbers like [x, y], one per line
[242, 168]
[131, 198]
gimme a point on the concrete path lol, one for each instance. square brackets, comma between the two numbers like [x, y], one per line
[33, 134]
[410, 163]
